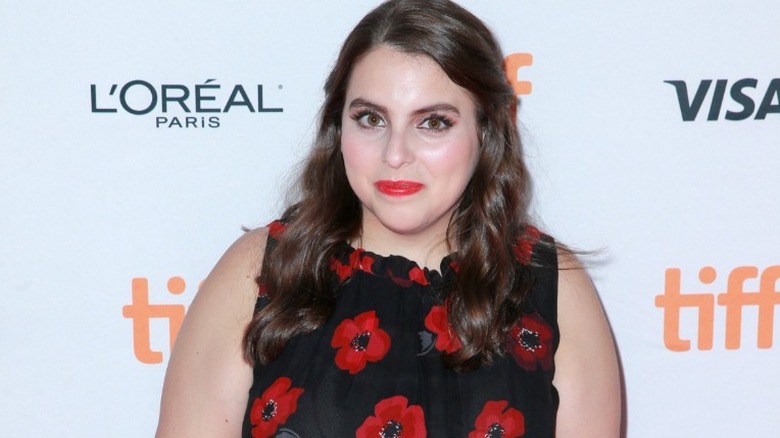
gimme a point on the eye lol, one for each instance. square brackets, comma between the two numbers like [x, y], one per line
[372, 120]
[368, 119]
[436, 123]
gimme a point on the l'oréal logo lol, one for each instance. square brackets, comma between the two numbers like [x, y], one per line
[181, 105]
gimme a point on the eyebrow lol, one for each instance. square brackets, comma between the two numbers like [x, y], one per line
[439, 107]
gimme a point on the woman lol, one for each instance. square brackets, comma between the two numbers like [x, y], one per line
[405, 293]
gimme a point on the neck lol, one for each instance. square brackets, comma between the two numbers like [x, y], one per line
[426, 249]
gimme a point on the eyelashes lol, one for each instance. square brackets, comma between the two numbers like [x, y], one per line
[434, 122]
[437, 122]
[368, 119]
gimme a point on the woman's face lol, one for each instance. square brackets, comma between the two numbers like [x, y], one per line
[409, 140]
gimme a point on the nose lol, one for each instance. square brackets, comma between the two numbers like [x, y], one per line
[397, 152]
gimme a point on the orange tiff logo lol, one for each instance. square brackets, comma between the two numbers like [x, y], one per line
[142, 313]
[512, 65]
[735, 297]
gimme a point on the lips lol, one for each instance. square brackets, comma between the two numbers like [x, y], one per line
[398, 188]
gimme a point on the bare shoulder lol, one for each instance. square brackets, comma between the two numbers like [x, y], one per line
[229, 292]
[241, 262]
[573, 277]
[587, 373]
[207, 380]
[576, 289]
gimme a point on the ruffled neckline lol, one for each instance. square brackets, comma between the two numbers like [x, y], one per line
[401, 270]
[405, 272]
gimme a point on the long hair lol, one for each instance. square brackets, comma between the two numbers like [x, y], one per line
[491, 285]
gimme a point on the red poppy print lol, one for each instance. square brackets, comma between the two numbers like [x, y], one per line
[530, 342]
[525, 244]
[436, 322]
[358, 260]
[401, 281]
[277, 403]
[262, 290]
[393, 418]
[496, 421]
[359, 341]
[342, 271]
[275, 229]
[417, 275]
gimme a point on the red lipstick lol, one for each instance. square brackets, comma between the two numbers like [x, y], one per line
[398, 188]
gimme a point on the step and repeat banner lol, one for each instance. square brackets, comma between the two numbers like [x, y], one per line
[138, 138]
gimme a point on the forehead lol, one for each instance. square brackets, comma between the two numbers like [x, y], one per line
[393, 78]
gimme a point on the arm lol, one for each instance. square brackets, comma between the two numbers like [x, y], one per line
[207, 381]
[587, 375]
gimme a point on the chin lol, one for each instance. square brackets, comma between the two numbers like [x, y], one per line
[412, 227]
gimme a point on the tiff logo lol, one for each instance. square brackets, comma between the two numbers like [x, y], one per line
[512, 65]
[734, 298]
[142, 312]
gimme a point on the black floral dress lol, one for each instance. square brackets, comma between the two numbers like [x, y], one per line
[374, 368]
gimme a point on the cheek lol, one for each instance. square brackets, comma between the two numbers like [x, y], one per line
[470, 154]
[349, 150]
[456, 160]
[357, 153]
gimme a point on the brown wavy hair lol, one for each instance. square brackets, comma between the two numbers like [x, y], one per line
[491, 286]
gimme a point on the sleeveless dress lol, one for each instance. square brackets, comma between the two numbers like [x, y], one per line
[374, 368]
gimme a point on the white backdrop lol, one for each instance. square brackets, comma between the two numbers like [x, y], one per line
[90, 200]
